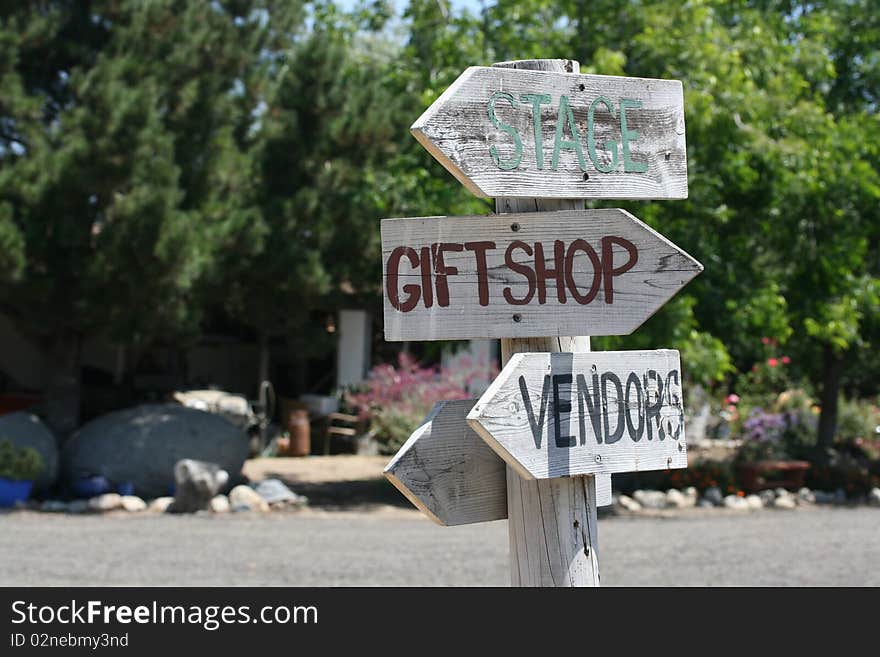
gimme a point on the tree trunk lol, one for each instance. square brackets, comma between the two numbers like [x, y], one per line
[64, 393]
[832, 369]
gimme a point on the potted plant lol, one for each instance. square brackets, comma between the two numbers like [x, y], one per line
[19, 466]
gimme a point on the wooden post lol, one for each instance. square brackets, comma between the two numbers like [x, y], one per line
[551, 522]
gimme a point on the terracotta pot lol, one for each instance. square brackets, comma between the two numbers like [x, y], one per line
[763, 475]
[300, 432]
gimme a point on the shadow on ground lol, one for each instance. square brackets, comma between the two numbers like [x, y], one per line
[345, 494]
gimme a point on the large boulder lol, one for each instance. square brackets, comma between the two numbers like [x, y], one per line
[27, 430]
[141, 446]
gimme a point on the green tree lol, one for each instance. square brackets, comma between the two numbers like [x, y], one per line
[117, 161]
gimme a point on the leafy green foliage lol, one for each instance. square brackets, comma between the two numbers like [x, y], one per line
[19, 463]
[162, 162]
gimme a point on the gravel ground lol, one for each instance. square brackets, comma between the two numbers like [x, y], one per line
[816, 546]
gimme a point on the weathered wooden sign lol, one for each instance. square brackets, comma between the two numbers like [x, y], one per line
[449, 473]
[520, 133]
[597, 272]
[566, 414]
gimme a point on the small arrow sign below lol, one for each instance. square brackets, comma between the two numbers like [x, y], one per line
[566, 414]
[521, 133]
[451, 475]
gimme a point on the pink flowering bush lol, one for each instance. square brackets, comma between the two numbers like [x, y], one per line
[397, 399]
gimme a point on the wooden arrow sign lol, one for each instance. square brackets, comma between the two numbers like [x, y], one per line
[574, 272]
[565, 414]
[451, 475]
[512, 132]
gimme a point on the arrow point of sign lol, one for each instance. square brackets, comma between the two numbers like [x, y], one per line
[447, 472]
[429, 132]
[477, 422]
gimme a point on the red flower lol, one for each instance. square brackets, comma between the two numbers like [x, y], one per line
[772, 362]
[786, 360]
[765, 340]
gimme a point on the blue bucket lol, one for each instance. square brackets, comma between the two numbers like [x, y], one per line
[12, 491]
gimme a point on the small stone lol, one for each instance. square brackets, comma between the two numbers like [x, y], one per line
[767, 497]
[736, 503]
[781, 492]
[703, 503]
[160, 504]
[755, 502]
[53, 506]
[675, 499]
[133, 503]
[629, 503]
[106, 502]
[840, 496]
[806, 496]
[220, 504]
[785, 502]
[243, 498]
[714, 496]
[78, 506]
[690, 496]
[822, 497]
[276, 493]
[874, 497]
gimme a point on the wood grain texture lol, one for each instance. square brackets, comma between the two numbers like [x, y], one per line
[551, 523]
[559, 415]
[588, 304]
[458, 130]
[449, 473]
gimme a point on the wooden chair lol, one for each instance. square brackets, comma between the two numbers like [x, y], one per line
[342, 424]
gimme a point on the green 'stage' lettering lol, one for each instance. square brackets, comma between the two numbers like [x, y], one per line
[619, 152]
[537, 100]
[610, 145]
[513, 162]
[627, 135]
[565, 115]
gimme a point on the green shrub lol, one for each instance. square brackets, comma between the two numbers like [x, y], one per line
[19, 463]
[857, 422]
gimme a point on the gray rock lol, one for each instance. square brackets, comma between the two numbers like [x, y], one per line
[676, 499]
[874, 497]
[840, 496]
[78, 506]
[245, 498]
[54, 506]
[690, 496]
[650, 499]
[755, 502]
[781, 492]
[767, 497]
[628, 503]
[276, 493]
[133, 504]
[106, 502]
[197, 483]
[785, 502]
[703, 503]
[220, 504]
[714, 496]
[822, 497]
[160, 504]
[735, 502]
[142, 445]
[806, 496]
[27, 430]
